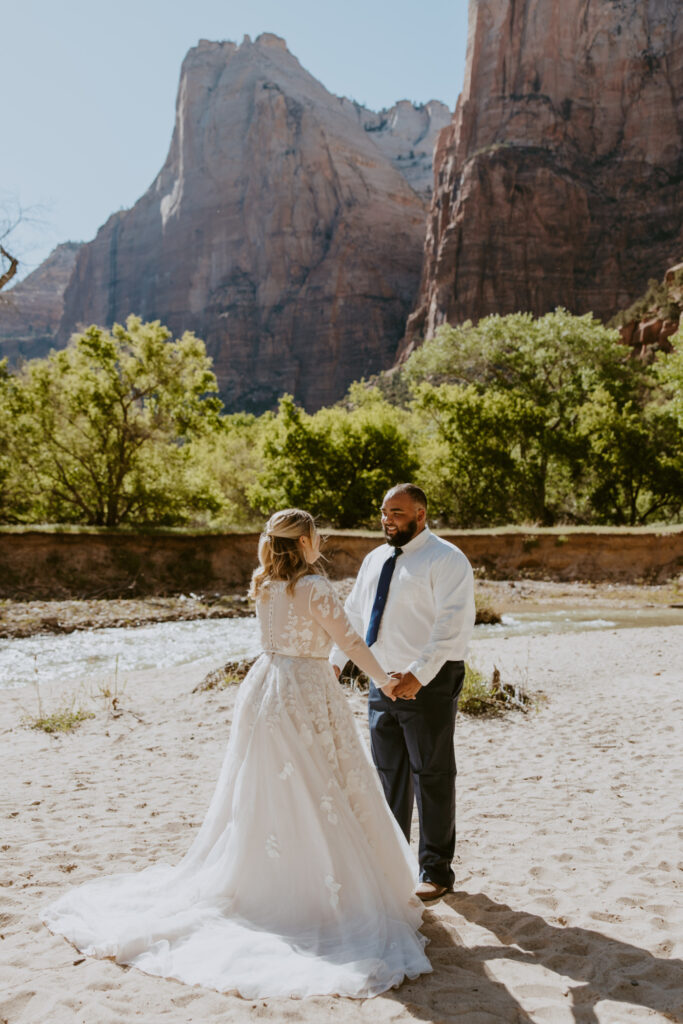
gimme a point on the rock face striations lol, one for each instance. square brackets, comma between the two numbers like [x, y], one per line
[560, 178]
[279, 229]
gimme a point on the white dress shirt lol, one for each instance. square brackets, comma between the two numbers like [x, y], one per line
[429, 615]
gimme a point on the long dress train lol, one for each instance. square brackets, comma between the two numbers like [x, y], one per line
[299, 882]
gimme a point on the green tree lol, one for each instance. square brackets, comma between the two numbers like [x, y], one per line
[542, 371]
[635, 460]
[337, 463]
[231, 458]
[7, 462]
[471, 447]
[669, 370]
[102, 427]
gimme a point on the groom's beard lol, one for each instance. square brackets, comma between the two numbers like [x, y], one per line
[401, 537]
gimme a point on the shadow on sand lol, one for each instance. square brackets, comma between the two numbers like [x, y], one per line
[461, 988]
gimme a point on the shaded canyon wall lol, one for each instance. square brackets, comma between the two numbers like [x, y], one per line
[560, 179]
[283, 229]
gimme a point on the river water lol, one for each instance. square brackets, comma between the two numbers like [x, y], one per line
[96, 655]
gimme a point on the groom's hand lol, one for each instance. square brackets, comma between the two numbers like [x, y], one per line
[388, 688]
[408, 687]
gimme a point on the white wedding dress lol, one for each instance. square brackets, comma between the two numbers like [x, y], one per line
[299, 882]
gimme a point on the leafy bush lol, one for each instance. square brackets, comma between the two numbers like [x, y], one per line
[337, 463]
[669, 371]
[515, 420]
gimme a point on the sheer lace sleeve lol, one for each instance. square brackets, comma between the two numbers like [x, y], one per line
[327, 610]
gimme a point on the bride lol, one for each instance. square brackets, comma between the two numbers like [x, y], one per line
[299, 881]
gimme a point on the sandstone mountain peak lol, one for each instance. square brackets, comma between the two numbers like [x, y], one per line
[270, 39]
[559, 179]
[407, 134]
[285, 228]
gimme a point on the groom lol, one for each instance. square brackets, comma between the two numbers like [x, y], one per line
[413, 601]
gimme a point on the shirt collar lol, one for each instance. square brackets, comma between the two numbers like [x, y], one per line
[415, 544]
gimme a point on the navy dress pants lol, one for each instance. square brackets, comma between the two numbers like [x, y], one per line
[412, 747]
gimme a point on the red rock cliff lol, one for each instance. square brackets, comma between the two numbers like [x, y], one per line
[278, 230]
[560, 179]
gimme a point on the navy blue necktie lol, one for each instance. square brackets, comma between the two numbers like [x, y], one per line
[381, 597]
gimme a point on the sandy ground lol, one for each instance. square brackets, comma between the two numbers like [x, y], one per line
[568, 895]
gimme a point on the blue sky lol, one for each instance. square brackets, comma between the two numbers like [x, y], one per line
[91, 87]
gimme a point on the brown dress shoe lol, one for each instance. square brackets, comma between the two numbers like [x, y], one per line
[430, 891]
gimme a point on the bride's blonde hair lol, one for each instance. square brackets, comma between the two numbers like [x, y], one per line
[280, 555]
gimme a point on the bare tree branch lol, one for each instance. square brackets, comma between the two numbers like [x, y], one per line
[11, 271]
[13, 216]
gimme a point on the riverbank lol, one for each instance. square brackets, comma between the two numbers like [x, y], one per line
[54, 563]
[30, 618]
[510, 596]
[33, 618]
[565, 904]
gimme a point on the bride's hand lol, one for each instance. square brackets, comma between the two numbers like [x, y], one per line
[388, 688]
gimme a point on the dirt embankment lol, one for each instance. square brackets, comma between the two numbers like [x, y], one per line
[37, 565]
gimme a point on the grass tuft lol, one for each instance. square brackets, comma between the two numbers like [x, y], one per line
[486, 614]
[353, 679]
[230, 674]
[480, 695]
[64, 719]
[109, 692]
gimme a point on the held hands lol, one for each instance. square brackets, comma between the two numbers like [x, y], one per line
[388, 690]
[403, 685]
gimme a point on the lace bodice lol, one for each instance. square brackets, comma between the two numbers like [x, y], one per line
[306, 622]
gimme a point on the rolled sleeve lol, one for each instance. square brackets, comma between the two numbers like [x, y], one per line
[453, 588]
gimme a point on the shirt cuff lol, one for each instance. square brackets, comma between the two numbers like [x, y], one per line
[337, 658]
[421, 672]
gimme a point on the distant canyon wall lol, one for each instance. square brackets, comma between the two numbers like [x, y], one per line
[285, 229]
[297, 234]
[559, 181]
[31, 312]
